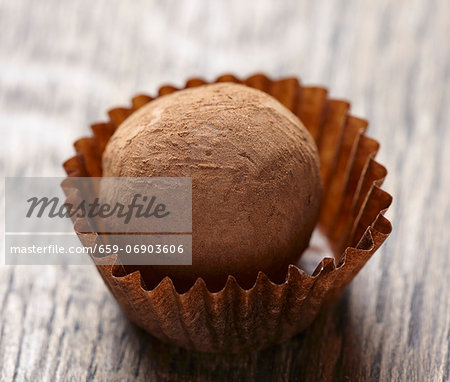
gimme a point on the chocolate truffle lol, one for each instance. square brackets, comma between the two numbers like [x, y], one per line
[256, 185]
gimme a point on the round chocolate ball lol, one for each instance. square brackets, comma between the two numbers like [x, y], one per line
[256, 185]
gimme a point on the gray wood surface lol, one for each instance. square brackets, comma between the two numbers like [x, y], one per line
[62, 64]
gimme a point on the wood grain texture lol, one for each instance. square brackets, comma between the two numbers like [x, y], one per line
[62, 64]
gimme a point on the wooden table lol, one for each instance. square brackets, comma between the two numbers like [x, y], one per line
[62, 64]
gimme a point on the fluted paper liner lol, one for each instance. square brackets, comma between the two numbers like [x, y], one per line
[235, 319]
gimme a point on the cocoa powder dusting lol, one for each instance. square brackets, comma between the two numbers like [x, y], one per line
[255, 178]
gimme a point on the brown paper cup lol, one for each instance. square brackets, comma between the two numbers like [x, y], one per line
[351, 228]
